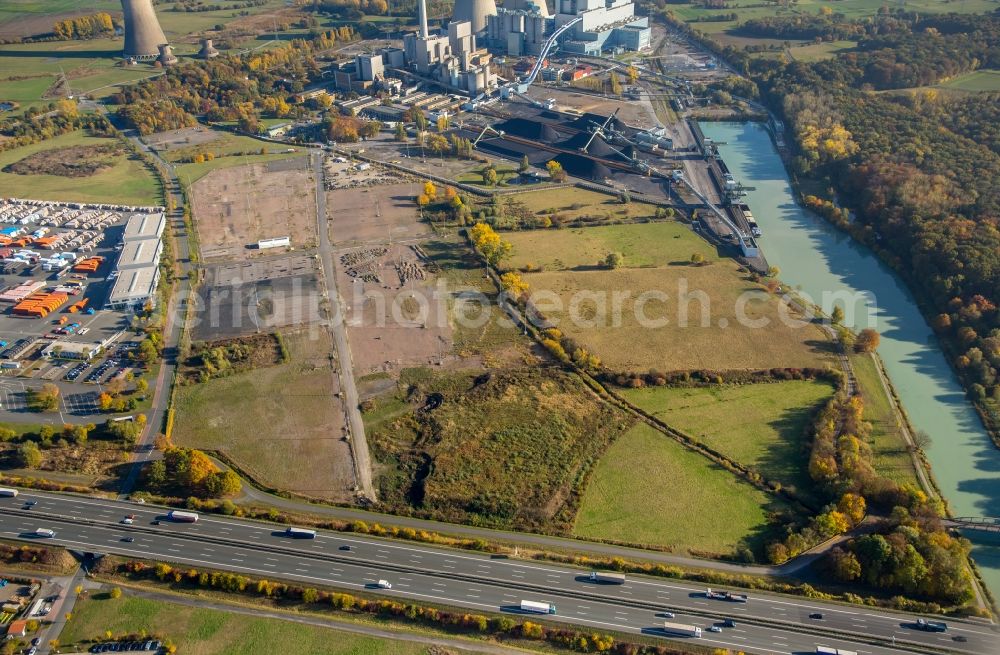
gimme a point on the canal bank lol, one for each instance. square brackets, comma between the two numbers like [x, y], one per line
[829, 267]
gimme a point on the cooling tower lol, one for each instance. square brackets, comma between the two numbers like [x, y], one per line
[166, 57]
[143, 34]
[529, 6]
[207, 50]
[474, 11]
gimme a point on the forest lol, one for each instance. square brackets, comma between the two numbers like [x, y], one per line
[232, 88]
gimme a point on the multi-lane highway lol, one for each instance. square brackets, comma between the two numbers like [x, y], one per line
[429, 575]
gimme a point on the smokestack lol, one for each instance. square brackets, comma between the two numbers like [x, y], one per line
[166, 57]
[424, 33]
[207, 50]
[143, 34]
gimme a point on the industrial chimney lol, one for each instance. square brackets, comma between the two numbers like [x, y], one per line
[143, 34]
[422, 10]
[166, 57]
[207, 50]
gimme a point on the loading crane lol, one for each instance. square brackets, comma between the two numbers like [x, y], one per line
[600, 130]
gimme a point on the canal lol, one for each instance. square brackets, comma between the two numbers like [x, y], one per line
[824, 263]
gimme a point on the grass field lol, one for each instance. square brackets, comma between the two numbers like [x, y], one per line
[673, 316]
[819, 51]
[892, 459]
[648, 489]
[190, 173]
[278, 423]
[980, 81]
[573, 202]
[128, 181]
[496, 338]
[507, 449]
[28, 70]
[197, 631]
[643, 245]
[770, 434]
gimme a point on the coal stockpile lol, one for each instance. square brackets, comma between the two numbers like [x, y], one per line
[597, 148]
[583, 167]
[528, 129]
[586, 123]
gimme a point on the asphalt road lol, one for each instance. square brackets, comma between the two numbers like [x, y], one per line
[766, 624]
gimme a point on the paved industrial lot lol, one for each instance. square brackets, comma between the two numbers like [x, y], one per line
[766, 624]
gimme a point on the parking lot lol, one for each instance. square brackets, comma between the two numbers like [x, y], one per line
[41, 246]
[80, 384]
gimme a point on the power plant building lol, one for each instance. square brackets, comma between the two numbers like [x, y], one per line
[521, 27]
[451, 59]
[143, 34]
[606, 25]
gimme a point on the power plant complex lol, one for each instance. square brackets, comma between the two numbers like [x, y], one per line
[143, 34]
[458, 56]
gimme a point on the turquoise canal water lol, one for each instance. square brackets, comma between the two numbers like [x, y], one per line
[819, 260]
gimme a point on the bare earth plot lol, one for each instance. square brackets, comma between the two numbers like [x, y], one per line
[377, 214]
[234, 208]
[262, 295]
[281, 424]
[394, 318]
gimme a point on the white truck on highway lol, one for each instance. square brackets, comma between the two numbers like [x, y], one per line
[300, 533]
[824, 650]
[537, 608]
[182, 517]
[681, 629]
[45, 532]
[607, 577]
[8, 493]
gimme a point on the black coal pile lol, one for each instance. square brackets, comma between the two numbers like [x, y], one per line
[528, 129]
[584, 167]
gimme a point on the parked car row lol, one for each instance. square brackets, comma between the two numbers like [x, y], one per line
[100, 371]
[76, 371]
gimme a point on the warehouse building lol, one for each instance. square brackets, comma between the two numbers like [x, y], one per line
[137, 272]
[134, 288]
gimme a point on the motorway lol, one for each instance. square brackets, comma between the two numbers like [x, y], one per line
[478, 582]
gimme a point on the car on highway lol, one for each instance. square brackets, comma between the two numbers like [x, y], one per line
[128, 521]
[36, 641]
[729, 623]
[669, 615]
[714, 628]
[345, 547]
[128, 540]
[816, 615]
[384, 584]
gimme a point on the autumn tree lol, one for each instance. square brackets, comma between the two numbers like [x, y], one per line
[400, 132]
[44, 399]
[489, 243]
[524, 165]
[867, 341]
[513, 284]
[556, 172]
[614, 260]
[29, 456]
[490, 176]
